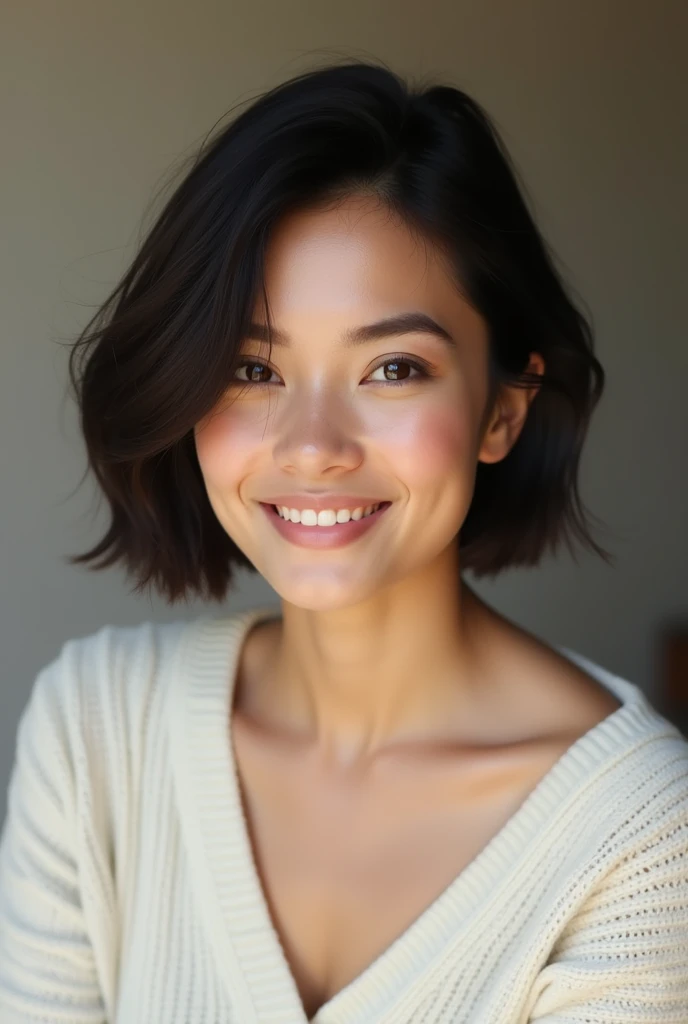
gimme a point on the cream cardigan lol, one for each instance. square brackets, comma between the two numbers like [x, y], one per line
[129, 894]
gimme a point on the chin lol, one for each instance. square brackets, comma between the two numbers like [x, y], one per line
[321, 595]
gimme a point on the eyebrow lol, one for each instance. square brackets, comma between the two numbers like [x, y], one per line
[402, 323]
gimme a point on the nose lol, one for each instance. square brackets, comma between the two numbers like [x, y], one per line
[317, 433]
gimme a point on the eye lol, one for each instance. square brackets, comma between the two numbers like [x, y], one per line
[256, 372]
[399, 367]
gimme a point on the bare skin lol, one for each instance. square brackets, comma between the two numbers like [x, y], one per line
[391, 723]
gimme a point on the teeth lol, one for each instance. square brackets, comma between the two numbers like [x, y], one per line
[328, 517]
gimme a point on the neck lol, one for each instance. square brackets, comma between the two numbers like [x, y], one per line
[394, 670]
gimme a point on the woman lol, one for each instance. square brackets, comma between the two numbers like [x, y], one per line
[343, 359]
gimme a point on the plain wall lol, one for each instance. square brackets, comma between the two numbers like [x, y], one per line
[100, 101]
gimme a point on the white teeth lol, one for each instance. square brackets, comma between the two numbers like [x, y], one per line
[328, 517]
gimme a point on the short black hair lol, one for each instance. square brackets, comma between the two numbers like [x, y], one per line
[161, 350]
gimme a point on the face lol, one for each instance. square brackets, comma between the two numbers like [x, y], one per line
[397, 418]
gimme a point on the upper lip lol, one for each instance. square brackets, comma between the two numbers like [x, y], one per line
[320, 503]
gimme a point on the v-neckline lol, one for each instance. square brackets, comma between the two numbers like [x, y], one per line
[260, 983]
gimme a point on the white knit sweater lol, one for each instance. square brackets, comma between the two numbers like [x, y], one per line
[129, 894]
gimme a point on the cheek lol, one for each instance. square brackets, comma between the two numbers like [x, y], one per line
[222, 448]
[432, 445]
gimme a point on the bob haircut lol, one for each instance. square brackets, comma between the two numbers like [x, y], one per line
[161, 351]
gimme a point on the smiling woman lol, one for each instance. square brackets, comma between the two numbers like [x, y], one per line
[338, 406]
[344, 359]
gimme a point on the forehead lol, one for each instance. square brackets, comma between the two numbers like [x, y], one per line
[336, 260]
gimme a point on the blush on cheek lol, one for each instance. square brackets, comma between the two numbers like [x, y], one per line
[221, 446]
[208, 436]
[436, 443]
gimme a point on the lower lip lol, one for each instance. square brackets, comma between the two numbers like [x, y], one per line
[324, 537]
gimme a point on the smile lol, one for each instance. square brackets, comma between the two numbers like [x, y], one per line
[334, 535]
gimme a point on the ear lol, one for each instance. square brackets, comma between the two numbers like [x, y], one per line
[508, 415]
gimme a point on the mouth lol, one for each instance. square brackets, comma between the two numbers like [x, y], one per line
[324, 537]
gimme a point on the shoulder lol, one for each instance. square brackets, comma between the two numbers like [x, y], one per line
[618, 750]
[123, 660]
[93, 705]
[634, 787]
[614, 714]
[90, 729]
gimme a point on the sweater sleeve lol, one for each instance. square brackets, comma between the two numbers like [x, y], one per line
[623, 958]
[55, 895]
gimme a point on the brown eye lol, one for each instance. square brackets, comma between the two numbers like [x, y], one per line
[398, 371]
[256, 373]
[398, 368]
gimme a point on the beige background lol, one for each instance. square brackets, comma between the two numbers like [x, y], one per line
[100, 100]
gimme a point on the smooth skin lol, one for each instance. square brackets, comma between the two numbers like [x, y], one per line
[391, 723]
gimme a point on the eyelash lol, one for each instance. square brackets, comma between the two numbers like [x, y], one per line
[422, 370]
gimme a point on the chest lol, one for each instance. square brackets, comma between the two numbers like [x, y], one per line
[347, 864]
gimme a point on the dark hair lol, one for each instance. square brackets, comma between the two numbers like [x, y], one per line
[161, 350]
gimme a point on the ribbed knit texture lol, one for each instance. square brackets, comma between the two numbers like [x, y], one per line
[129, 893]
